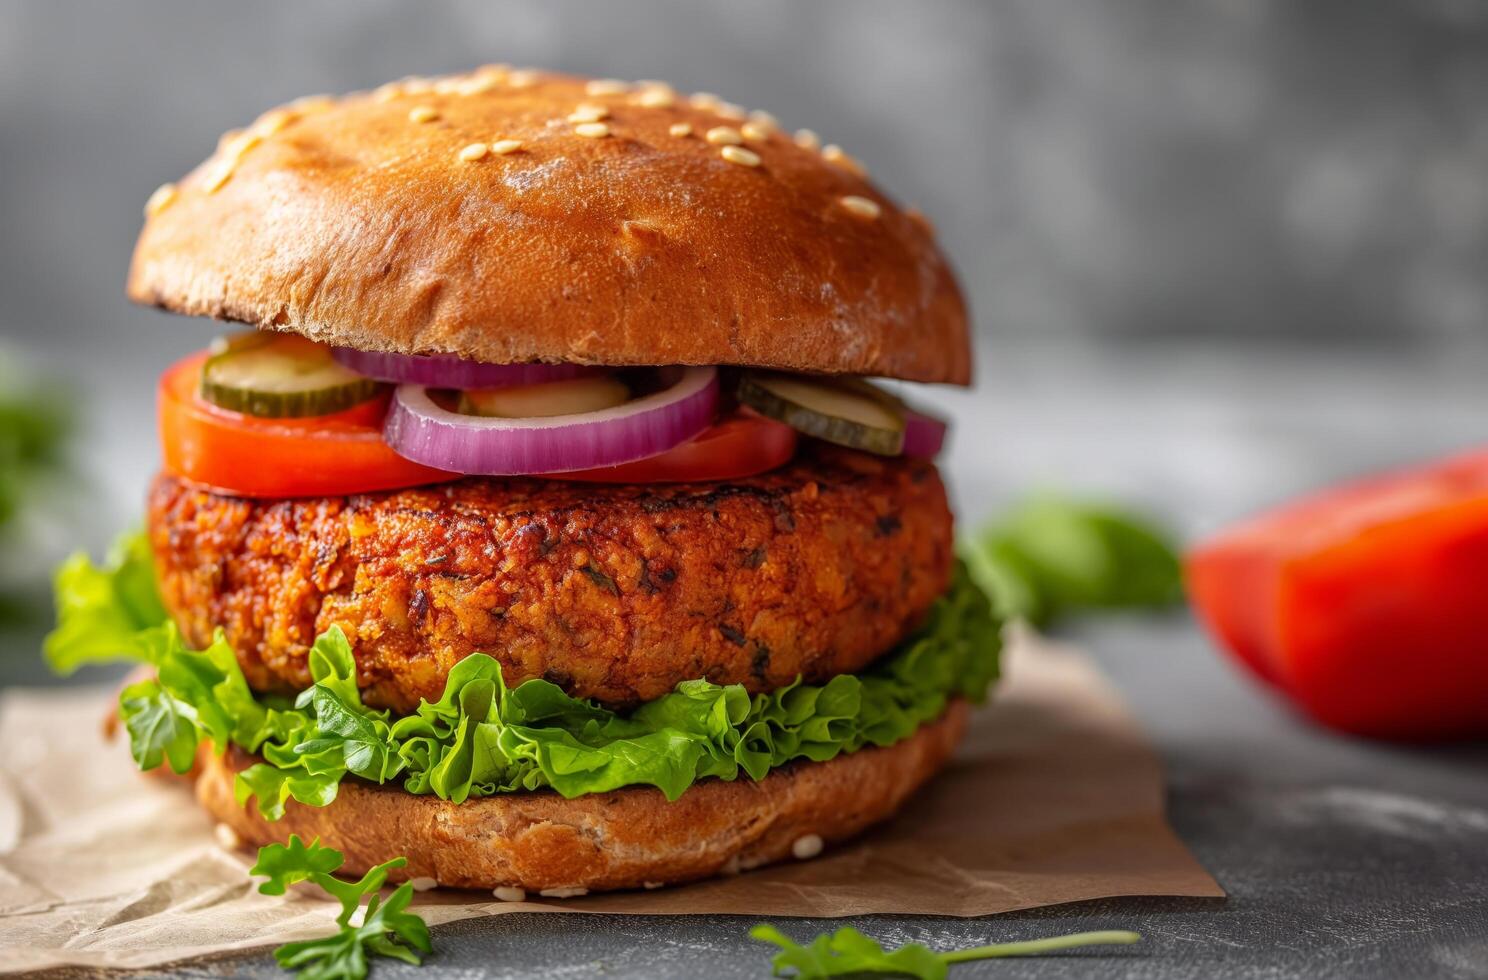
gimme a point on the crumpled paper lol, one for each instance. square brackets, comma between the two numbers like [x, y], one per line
[1054, 797]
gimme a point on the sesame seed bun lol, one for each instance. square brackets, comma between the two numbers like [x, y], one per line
[626, 839]
[602, 223]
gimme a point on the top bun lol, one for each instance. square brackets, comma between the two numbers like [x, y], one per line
[511, 216]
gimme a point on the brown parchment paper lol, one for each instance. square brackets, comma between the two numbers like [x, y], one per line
[1054, 797]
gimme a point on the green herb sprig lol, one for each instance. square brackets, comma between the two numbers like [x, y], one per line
[848, 952]
[386, 928]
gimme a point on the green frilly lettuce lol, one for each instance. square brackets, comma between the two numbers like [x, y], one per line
[482, 737]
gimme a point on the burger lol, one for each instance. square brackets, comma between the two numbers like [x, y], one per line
[540, 523]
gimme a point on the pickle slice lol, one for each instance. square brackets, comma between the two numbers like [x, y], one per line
[280, 375]
[572, 396]
[846, 411]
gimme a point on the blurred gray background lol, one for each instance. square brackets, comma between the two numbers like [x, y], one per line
[1217, 251]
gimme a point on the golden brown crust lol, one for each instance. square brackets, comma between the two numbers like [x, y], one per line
[347, 221]
[604, 841]
[615, 593]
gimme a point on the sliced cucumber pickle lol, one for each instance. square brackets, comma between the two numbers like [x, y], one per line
[846, 411]
[280, 375]
[574, 396]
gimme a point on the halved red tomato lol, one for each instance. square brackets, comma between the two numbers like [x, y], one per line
[740, 445]
[233, 453]
[1367, 604]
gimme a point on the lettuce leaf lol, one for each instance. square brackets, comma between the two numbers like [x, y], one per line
[482, 737]
[105, 614]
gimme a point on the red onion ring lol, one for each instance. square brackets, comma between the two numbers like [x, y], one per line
[420, 430]
[449, 371]
[924, 435]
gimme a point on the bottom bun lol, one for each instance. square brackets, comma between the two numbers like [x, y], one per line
[629, 838]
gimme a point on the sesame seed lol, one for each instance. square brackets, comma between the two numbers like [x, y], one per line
[807, 139]
[573, 892]
[730, 110]
[414, 85]
[388, 92]
[161, 199]
[473, 152]
[509, 894]
[656, 98]
[239, 144]
[448, 86]
[704, 100]
[651, 886]
[607, 86]
[313, 103]
[522, 78]
[588, 112]
[497, 71]
[274, 120]
[681, 129]
[503, 147]
[832, 153]
[423, 114]
[227, 838]
[754, 131]
[592, 130]
[723, 136]
[741, 156]
[217, 175]
[477, 85]
[807, 847]
[861, 206]
[423, 884]
[762, 118]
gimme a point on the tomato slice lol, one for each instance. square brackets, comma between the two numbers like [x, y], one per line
[1366, 605]
[237, 454]
[741, 445]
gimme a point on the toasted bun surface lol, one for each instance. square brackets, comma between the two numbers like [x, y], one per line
[605, 841]
[354, 223]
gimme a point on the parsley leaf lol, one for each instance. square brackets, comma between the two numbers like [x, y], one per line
[386, 929]
[848, 952]
[288, 864]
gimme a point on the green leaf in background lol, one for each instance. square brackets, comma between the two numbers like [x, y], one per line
[1050, 557]
[482, 737]
[36, 419]
[387, 929]
[33, 427]
[847, 952]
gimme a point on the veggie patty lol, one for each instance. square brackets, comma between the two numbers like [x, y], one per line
[615, 593]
